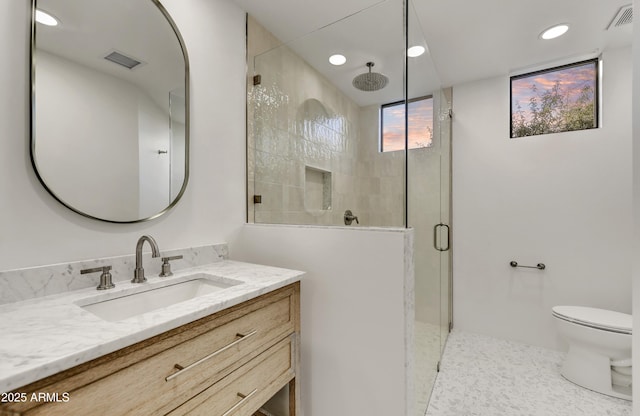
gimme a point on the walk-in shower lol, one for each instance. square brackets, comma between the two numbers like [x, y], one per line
[328, 144]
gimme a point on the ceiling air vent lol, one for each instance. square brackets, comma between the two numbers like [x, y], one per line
[623, 17]
[120, 59]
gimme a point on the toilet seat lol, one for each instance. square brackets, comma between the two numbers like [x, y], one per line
[595, 318]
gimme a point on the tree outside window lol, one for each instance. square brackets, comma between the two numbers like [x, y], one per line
[555, 100]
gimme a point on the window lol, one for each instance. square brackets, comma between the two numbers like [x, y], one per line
[420, 124]
[558, 99]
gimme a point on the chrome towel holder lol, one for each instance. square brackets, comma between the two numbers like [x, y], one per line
[539, 266]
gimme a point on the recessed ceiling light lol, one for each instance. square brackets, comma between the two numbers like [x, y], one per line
[415, 51]
[45, 18]
[554, 31]
[337, 59]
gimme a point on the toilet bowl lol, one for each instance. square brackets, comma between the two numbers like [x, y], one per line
[599, 356]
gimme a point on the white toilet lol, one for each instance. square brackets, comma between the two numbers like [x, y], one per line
[599, 356]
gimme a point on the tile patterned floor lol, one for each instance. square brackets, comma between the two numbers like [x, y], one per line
[484, 376]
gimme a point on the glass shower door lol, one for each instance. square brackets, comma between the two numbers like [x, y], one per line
[446, 272]
[429, 181]
[424, 200]
[428, 206]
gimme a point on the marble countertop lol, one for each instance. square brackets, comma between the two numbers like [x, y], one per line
[46, 335]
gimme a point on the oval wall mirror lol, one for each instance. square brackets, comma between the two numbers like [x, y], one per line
[109, 107]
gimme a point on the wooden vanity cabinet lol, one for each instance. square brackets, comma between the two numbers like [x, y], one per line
[227, 364]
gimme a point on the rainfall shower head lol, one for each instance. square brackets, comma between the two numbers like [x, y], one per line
[370, 81]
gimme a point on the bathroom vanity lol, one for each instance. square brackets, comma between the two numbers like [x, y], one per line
[221, 353]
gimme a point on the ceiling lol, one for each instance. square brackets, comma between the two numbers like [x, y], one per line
[475, 40]
[91, 29]
[466, 40]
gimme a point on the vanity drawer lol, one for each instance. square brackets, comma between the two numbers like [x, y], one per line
[244, 391]
[143, 379]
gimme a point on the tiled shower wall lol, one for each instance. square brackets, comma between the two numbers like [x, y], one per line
[299, 124]
[380, 175]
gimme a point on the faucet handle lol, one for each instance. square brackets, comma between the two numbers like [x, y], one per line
[349, 218]
[105, 277]
[166, 266]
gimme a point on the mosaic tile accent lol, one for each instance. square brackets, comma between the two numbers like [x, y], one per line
[484, 376]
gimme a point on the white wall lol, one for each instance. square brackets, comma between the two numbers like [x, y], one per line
[560, 199]
[636, 215]
[154, 136]
[104, 110]
[116, 133]
[37, 230]
[352, 310]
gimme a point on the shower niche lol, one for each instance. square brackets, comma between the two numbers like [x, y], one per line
[317, 189]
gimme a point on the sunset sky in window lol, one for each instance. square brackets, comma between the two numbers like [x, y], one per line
[420, 125]
[571, 81]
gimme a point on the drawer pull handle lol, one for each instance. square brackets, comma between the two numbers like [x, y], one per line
[244, 399]
[213, 354]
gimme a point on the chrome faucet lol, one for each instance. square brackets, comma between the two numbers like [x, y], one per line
[138, 274]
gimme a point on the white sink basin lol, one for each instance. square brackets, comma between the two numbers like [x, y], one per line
[158, 295]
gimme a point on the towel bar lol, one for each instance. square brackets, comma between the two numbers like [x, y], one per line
[539, 266]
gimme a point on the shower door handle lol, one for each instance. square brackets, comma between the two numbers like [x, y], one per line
[435, 237]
